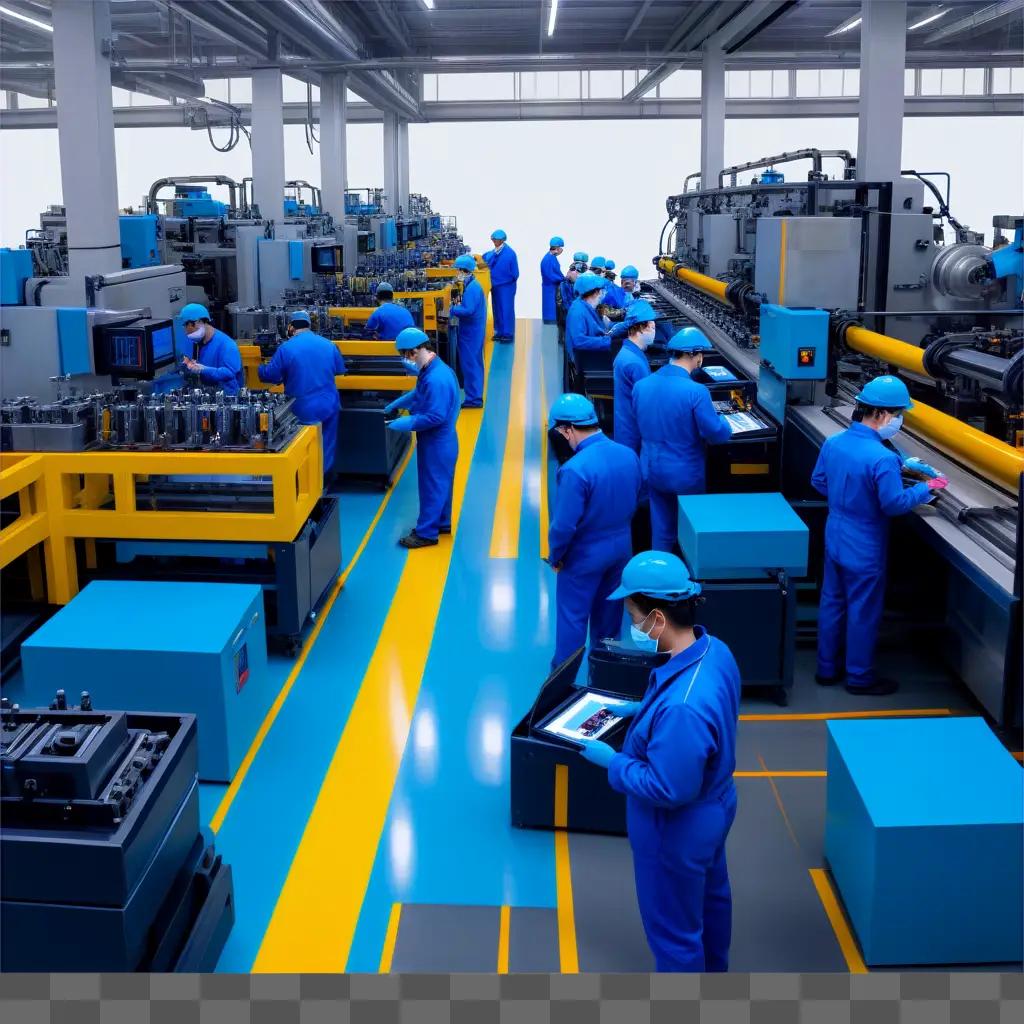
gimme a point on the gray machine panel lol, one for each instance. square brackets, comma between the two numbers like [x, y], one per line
[718, 242]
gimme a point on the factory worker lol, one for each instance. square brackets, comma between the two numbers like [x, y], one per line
[629, 281]
[472, 314]
[676, 419]
[589, 539]
[551, 277]
[676, 768]
[504, 273]
[389, 318]
[567, 290]
[306, 364]
[433, 410]
[614, 296]
[584, 327]
[630, 366]
[861, 478]
[597, 265]
[217, 361]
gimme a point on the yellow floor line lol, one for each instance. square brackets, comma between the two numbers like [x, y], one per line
[508, 510]
[387, 954]
[854, 962]
[318, 907]
[780, 775]
[243, 769]
[825, 715]
[544, 550]
[778, 801]
[568, 954]
[1018, 754]
[504, 931]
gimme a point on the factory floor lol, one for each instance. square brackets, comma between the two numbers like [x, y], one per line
[368, 828]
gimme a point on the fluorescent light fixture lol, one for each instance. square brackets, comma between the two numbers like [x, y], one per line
[928, 19]
[429, 4]
[846, 26]
[25, 18]
[552, 15]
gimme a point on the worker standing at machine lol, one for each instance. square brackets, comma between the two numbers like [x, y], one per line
[584, 327]
[614, 296]
[630, 366]
[504, 269]
[306, 364]
[861, 478]
[676, 769]
[216, 361]
[472, 314]
[551, 278]
[629, 283]
[567, 290]
[433, 411]
[589, 539]
[389, 318]
[676, 419]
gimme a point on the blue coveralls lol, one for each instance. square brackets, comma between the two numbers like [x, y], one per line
[861, 479]
[434, 408]
[614, 296]
[630, 366]
[589, 536]
[472, 314]
[222, 363]
[676, 769]
[584, 329]
[676, 419]
[306, 365]
[504, 274]
[388, 319]
[551, 277]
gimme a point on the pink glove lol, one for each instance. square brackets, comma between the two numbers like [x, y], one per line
[937, 483]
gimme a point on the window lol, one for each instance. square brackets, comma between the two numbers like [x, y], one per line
[121, 97]
[851, 81]
[1017, 80]
[931, 81]
[807, 82]
[908, 82]
[737, 84]
[476, 86]
[952, 81]
[240, 90]
[831, 82]
[539, 85]
[780, 83]
[429, 88]
[760, 84]
[681, 85]
[217, 88]
[605, 85]
[974, 81]
[31, 102]
[569, 85]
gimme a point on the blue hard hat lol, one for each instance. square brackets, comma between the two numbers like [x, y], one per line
[498, 236]
[385, 286]
[556, 240]
[609, 264]
[598, 262]
[886, 392]
[465, 262]
[300, 316]
[193, 311]
[689, 339]
[656, 574]
[640, 312]
[588, 283]
[574, 409]
[580, 257]
[629, 271]
[410, 338]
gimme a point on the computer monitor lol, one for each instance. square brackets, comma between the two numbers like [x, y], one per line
[133, 351]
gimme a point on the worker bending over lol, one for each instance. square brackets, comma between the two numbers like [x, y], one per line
[551, 277]
[504, 273]
[676, 769]
[589, 539]
[433, 411]
[585, 328]
[630, 366]
[614, 296]
[306, 364]
[567, 290]
[389, 318]
[676, 419]
[861, 478]
[472, 314]
[216, 359]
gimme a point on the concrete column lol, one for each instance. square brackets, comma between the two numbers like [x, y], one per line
[392, 147]
[85, 132]
[333, 142]
[268, 143]
[403, 165]
[712, 117]
[883, 54]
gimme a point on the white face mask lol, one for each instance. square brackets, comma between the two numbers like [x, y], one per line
[647, 338]
[197, 335]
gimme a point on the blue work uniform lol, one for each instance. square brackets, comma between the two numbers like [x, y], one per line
[630, 366]
[676, 419]
[567, 289]
[504, 273]
[861, 479]
[388, 319]
[614, 296]
[222, 363]
[472, 314]
[306, 365]
[590, 538]
[551, 277]
[434, 409]
[584, 329]
[675, 769]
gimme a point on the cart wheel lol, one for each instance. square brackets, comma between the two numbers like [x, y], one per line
[782, 696]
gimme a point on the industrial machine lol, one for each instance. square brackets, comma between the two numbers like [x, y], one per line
[104, 864]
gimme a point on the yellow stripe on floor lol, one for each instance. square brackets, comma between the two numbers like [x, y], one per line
[387, 954]
[504, 930]
[780, 775]
[826, 715]
[854, 962]
[544, 549]
[508, 511]
[318, 908]
[568, 954]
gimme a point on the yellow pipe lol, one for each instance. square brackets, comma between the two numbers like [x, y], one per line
[709, 285]
[886, 349]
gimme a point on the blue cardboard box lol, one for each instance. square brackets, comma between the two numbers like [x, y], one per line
[152, 646]
[924, 834]
[741, 536]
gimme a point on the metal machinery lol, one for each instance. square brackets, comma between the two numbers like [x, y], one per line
[104, 864]
[812, 287]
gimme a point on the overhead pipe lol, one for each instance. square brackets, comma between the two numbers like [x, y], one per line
[814, 155]
[191, 179]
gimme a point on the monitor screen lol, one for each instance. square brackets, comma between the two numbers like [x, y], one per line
[163, 345]
[326, 259]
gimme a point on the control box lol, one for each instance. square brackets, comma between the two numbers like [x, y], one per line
[794, 342]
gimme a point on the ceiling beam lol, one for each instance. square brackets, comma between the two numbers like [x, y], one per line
[637, 20]
[994, 12]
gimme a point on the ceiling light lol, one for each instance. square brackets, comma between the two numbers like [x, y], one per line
[552, 16]
[429, 4]
[25, 18]
[928, 20]
[846, 26]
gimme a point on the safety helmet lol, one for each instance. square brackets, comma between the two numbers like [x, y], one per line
[556, 240]
[580, 257]
[629, 271]
[598, 263]
[574, 409]
[300, 316]
[386, 288]
[193, 311]
[656, 574]
[498, 236]
[689, 339]
[410, 338]
[465, 262]
[886, 392]
[588, 283]
[609, 264]
[640, 312]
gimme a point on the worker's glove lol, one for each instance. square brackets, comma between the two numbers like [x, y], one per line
[629, 710]
[392, 408]
[403, 424]
[597, 752]
[937, 483]
[914, 465]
